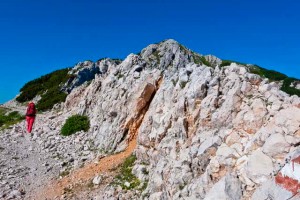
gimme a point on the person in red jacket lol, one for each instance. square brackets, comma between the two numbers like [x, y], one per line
[30, 116]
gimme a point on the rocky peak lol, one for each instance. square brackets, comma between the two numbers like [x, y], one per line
[86, 71]
[201, 128]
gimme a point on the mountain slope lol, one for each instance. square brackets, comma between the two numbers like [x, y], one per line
[205, 129]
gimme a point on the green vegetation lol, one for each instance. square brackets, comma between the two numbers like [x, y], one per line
[157, 56]
[174, 82]
[290, 90]
[225, 63]
[120, 75]
[200, 60]
[270, 74]
[277, 76]
[48, 86]
[184, 49]
[9, 118]
[51, 97]
[228, 62]
[74, 124]
[117, 60]
[181, 186]
[126, 175]
[182, 84]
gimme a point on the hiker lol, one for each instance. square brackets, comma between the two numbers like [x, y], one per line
[30, 116]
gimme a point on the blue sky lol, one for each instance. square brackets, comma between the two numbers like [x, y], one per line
[39, 36]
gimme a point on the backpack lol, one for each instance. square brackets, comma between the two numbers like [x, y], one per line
[31, 110]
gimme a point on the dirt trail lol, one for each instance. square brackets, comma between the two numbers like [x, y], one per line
[56, 188]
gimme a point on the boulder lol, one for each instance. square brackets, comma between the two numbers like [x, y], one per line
[259, 167]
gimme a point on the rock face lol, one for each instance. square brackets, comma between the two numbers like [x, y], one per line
[203, 132]
[86, 71]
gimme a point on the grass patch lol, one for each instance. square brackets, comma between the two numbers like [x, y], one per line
[126, 175]
[182, 84]
[3, 111]
[200, 60]
[8, 119]
[74, 124]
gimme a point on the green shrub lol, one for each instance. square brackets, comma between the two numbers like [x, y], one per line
[290, 90]
[74, 124]
[200, 60]
[48, 86]
[228, 62]
[9, 119]
[204, 61]
[225, 63]
[277, 76]
[51, 97]
[270, 74]
[117, 60]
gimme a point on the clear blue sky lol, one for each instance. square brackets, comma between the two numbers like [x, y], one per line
[39, 36]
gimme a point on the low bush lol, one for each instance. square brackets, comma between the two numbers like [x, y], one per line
[74, 124]
[48, 86]
[225, 63]
[51, 97]
[270, 74]
[228, 62]
[290, 90]
[8, 119]
[277, 76]
[200, 60]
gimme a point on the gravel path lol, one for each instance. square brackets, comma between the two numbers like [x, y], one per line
[28, 162]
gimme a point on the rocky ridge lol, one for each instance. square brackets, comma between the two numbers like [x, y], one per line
[203, 131]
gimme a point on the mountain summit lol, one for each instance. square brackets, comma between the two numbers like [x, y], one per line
[196, 127]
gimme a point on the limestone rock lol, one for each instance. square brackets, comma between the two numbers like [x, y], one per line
[259, 167]
[97, 180]
[275, 144]
[228, 188]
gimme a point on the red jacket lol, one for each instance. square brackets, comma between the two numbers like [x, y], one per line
[31, 111]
